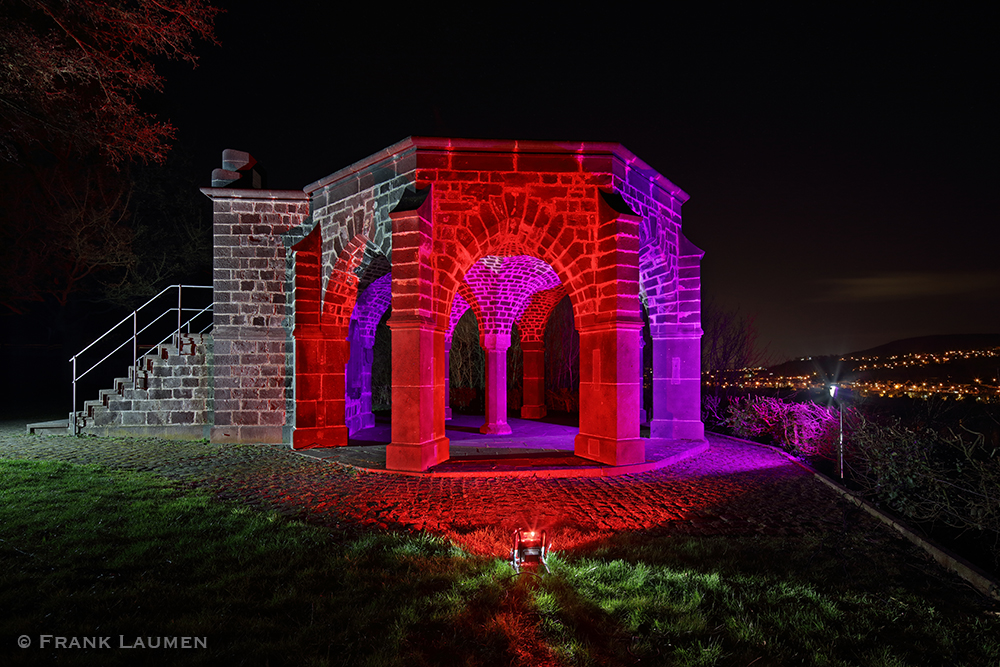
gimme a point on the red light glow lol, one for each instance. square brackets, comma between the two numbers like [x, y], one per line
[507, 229]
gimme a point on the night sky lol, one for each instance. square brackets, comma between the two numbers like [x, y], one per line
[841, 166]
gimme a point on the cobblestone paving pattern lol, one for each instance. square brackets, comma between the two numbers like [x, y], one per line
[733, 488]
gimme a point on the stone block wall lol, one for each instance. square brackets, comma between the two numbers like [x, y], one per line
[342, 270]
[369, 308]
[355, 202]
[254, 312]
[658, 204]
[171, 395]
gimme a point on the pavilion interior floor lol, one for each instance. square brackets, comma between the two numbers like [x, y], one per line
[535, 447]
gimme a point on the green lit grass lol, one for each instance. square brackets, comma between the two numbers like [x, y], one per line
[85, 551]
[88, 551]
[763, 601]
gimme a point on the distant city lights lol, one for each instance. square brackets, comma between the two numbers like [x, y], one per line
[980, 389]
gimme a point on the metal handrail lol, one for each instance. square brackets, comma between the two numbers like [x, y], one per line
[179, 326]
[159, 317]
[134, 317]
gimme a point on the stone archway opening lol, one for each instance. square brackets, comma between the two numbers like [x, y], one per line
[505, 292]
[466, 369]
[382, 366]
[562, 361]
[510, 298]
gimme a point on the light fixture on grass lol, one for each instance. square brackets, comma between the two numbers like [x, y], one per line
[840, 442]
[530, 550]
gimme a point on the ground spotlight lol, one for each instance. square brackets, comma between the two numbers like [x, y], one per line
[530, 549]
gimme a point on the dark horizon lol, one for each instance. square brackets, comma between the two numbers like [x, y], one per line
[840, 169]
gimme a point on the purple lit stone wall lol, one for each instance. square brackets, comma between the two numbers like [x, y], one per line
[368, 311]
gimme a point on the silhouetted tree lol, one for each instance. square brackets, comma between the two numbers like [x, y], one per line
[730, 340]
[72, 218]
[171, 232]
[562, 348]
[562, 359]
[80, 227]
[62, 230]
[73, 72]
[467, 359]
[515, 370]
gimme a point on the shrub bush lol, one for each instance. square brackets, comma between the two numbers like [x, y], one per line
[806, 429]
[935, 477]
[928, 473]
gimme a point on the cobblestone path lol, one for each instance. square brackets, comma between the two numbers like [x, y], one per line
[733, 488]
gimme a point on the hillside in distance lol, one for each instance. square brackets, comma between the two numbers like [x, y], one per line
[932, 345]
[952, 363]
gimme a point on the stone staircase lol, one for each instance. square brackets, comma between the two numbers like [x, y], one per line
[168, 393]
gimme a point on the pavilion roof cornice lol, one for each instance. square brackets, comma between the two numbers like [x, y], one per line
[446, 144]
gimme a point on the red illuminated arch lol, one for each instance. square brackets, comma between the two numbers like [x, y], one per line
[600, 218]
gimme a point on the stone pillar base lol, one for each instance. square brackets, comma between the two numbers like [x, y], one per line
[495, 429]
[677, 388]
[533, 411]
[610, 394]
[321, 436]
[418, 440]
[677, 429]
[611, 452]
[416, 457]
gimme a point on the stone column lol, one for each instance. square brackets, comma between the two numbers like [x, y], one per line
[610, 394]
[418, 440]
[320, 364]
[642, 380]
[447, 378]
[677, 388]
[610, 357]
[418, 370]
[534, 380]
[495, 347]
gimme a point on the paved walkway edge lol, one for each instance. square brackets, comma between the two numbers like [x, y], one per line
[697, 447]
[979, 579]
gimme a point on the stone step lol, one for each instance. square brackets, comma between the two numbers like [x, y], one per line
[90, 407]
[54, 427]
[162, 389]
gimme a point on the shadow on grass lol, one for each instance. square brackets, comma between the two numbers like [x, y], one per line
[88, 552]
[850, 597]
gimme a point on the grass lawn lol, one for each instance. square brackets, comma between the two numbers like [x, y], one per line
[90, 552]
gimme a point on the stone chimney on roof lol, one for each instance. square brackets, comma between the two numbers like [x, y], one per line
[239, 170]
